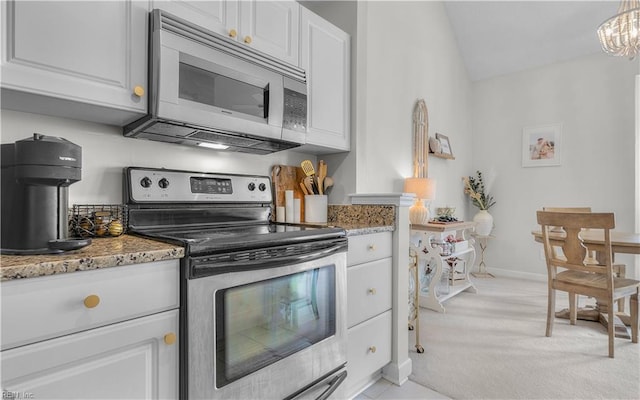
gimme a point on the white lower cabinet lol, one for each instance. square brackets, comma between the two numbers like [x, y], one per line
[369, 347]
[136, 359]
[369, 310]
[107, 333]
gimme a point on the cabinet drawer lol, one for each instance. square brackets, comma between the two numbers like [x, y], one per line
[369, 347]
[368, 290]
[40, 308]
[366, 248]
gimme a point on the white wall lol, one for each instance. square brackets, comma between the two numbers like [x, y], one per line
[407, 51]
[105, 152]
[593, 97]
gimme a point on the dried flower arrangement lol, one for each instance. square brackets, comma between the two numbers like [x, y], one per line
[474, 187]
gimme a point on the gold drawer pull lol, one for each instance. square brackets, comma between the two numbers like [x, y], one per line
[233, 33]
[372, 291]
[91, 301]
[371, 247]
[138, 91]
[170, 338]
[247, 39]
[372, 349]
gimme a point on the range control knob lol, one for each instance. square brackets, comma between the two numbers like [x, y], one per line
[262, 187]
[252, 186]
[145, 182]
[163, 183]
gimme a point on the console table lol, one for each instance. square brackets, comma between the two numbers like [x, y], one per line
[432, 255]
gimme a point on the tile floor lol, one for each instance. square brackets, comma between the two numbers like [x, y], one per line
[410, 390]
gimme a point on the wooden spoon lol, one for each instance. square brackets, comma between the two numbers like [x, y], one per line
[328, 182]
[308, 183]
[304, 188]
[321, 175]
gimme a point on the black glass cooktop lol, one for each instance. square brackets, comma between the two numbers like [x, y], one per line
[232, 238]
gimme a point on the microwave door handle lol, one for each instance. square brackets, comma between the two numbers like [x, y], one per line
[337, 381]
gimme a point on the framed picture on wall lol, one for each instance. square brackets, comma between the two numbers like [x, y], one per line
[541, 145]
[445, 146]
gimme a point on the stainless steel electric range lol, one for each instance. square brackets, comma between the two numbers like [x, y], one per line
[263, 311]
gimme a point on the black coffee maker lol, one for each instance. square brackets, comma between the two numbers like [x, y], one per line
[36, 174]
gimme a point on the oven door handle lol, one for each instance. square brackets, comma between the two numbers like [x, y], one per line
[335, 382]
[264, 258]
[332, 382]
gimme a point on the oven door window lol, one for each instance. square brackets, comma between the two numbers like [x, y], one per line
[215, 89]
[263, 322]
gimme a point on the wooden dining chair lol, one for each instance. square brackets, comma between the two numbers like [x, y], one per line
[619, 270]
[580, 277]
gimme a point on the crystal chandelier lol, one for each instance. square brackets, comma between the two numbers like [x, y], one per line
[620, 34]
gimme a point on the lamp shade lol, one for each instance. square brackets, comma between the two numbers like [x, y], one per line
[424, 188]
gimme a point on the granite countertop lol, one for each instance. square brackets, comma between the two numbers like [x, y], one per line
[130, 249]
[101, 253]
[354, 229]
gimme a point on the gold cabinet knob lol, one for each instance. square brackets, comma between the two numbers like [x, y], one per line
[91, 301]
[170, 338]
[371, 247]
[247, 39]
[233, 33]
[138, 91]
[372, 349]
[372, 291]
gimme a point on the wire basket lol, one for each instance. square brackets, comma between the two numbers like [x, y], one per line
[98, 220]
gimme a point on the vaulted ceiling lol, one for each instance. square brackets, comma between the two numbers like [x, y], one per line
[501, 37]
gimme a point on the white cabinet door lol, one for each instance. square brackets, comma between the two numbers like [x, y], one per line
[137, 359]
[369, 288]
[217, 16]
[272, 27]
[268, 26]
[82, 52]
[369, 349]
[325, 56]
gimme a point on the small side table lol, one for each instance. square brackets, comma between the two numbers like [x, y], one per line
[482, 267]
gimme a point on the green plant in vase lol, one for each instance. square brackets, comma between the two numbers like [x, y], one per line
[475, 188]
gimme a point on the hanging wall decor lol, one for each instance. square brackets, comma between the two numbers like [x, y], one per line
[541, 145]
[419, 184]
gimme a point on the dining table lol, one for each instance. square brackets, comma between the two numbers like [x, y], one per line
[593, 239]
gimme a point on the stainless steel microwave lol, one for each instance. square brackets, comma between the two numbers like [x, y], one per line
[207, 90]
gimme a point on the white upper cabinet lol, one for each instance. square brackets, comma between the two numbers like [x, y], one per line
[325, 56]
[217, 16]
[76, 59]
[268, 26]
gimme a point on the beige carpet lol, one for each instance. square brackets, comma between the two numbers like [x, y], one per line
[491, 345]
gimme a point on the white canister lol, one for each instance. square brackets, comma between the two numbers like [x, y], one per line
[296, 210]
[315, 209]
[288, 203]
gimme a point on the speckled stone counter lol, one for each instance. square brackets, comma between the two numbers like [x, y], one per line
[128, 249]
[101, 253]
[362, 219]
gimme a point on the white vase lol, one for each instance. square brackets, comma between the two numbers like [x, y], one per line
[484, 222]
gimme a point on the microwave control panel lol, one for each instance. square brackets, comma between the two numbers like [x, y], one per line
[295, 111]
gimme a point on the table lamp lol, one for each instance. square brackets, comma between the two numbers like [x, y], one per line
[424, 189]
